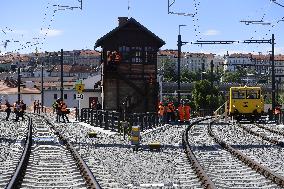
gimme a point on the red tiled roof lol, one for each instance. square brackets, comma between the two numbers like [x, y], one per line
[81, 69]
[66, 68]
[240, 55]
[4, 89]
[279, 57]
[267, 57]
[90, 53]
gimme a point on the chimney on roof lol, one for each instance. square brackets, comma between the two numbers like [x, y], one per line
[122, 20]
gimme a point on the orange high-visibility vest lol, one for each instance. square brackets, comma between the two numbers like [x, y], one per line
[117, 58]
[63, 107]
[187, 112]
[171, 107]
[277, 110]
[181, 112]
[161, 110]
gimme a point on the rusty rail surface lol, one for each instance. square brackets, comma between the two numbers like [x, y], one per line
[248, 161]
[201, 174]
[15, 181]
[82, 166]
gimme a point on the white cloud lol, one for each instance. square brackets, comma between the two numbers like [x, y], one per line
[50, 32]
[211, 32]
[279, 50]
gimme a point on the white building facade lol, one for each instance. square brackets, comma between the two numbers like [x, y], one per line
[194, 62]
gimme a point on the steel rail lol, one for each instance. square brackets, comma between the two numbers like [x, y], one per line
[201, 174]
[15, 181]
[271, 140]
[271, 130]
[248, 161]
[82, 166]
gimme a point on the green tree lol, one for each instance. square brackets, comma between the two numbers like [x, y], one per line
[280, 98]
[188, 76]
[235, 76]
[205, 97]
[169, 71]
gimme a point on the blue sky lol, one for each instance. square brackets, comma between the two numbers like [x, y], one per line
[34, 21]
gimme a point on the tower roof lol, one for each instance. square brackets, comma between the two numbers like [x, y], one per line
[133, 25]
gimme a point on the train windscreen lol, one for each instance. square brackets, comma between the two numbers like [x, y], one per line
[238, 94]
[253, 94]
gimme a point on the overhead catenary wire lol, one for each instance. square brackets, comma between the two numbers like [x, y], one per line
[171, 3]
[37, 41]
[277, 3]
[195, 20]
[265, 24]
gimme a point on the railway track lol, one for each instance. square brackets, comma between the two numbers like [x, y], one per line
[224, 169]
[269, 132]
[78, 136]
[265, 154]
[272, 154]
[50, 164]
[12, 137]
[170, 137]
[50, 161]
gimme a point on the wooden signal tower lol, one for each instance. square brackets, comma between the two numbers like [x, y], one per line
[129, 58]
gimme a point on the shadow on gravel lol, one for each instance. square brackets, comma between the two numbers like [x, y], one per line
[7, 140]
[206, 148]
[142, 147]
[253, 146]
[239, 147]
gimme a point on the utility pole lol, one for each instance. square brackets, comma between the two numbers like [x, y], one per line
[277, 91]
[42, 90]
[19, 84]
[270, 41]
[273, 74]
[179, 52]
[61, 75]
[211, 73]
[211, 83]
[180, 43]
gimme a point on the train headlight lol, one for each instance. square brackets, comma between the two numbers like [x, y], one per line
[234, 106]
[257, 106]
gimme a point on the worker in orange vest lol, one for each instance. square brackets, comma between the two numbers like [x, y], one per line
[161, 112]
[117, 58]
[64, 111]
[181, 112]
[187, 110]
[277, 113]
[170, 114]
[113, 59]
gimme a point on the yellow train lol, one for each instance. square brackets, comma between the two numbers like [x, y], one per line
[246, 102]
